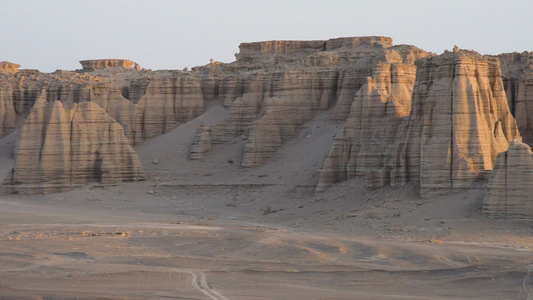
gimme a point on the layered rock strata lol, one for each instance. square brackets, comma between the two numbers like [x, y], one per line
[7, 112]
[162, 100]
[368, 142]
[167, 102]
[270, 105]
[8, 67]
[458, 123]
[509, 193]
[59, 148]
[517, 74]
[100, 64]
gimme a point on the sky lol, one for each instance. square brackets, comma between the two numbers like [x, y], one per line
[164, 34]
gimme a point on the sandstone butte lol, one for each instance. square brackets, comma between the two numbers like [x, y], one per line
[444, 122]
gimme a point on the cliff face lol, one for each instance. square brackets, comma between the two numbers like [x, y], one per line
[458, 123]
[8, 68]
[166, 103]
[290, 81]
[509, 193]
[517, 74]
[367, 143]
[405, 115]
[99, 64]
[56, 149]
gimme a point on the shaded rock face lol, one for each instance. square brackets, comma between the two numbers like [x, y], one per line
[289, 82]
[60, 148]
[458, 123]
[517, 74]
[161, 102]
[100, 64]
[509, 193]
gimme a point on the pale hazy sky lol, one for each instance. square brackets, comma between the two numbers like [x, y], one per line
[163, 34]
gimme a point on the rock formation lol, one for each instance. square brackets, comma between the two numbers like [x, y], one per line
[367, 143]
[509, 193]
[59, 148]
[407, 115]
[7, 111]
[166, 103]
[100, 64]
[517, 74]
[459, 122]
[201, 144]
[290, 81]
[8, 68]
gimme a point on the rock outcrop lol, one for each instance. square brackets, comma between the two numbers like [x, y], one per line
[517, 74]
[59, 148]
[7, 111]
[166, 103]
[367, 144]
[201, 144]
[458, 123]
[8, 67]
[101, 64]
[509, 193]
[289, 82]
[409, 116]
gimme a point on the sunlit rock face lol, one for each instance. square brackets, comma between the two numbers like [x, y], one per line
[459, 122]
[8, 67]
[59, 148]
[509, 193]
[287, 83]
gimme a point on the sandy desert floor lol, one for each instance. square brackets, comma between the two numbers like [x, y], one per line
[211, 230]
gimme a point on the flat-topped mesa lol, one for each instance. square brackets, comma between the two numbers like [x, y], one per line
[8, 67]
[101, 64]
[291, 51]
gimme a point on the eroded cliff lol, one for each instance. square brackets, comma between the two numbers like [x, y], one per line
[509, 193]
[459, 121]
[289, 82]
[405, 115]
[61, 147]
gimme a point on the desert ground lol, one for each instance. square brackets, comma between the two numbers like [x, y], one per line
[212, 230]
